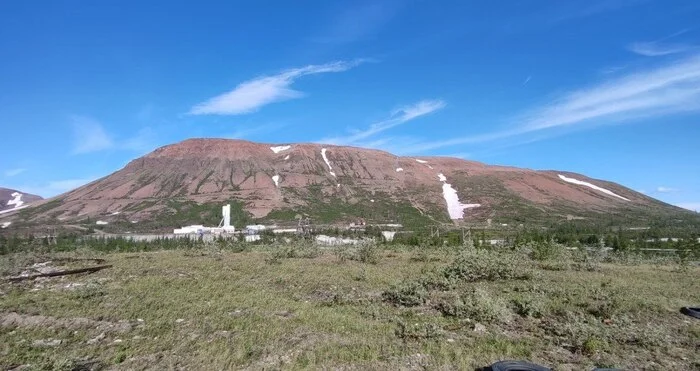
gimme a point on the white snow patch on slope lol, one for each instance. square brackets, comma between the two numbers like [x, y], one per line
[276, 179]
[454, 207]
[286, 157]
[601, 189]
[330, 168]
[398, 169]
[116, 213]
[16, 200]
[424, 163]
[278, 149]
[101, 222]
[15, 209]
[5, 225]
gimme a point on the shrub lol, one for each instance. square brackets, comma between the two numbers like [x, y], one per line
[367, 253]
[417, 331]
[483, 265]
[593, 345]
[342, 254]
[408, 294]
[546, 250]
[602, 303]
[529, 305]
[477, 305]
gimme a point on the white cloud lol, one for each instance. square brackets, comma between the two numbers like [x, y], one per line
[398, 116]
[665, 90]
[693, 206]
[250, 95]
[656, 49]
[14, 172]
[89, 136]
[662, 189]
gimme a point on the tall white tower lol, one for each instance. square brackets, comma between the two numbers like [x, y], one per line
[226, 219]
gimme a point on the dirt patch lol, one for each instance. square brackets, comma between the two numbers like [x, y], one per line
[289, 349]
[14, 320]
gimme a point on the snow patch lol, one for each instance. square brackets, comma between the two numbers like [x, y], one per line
[398, 169]
[421, 161]
[101, 222]
[278, 149]
[371, 201]
[116, 213]
[593, 186]
[276, 179]
[16, 200]
[5, 225]
[325, 158]
[15, 209]
[454, 207]
[286, 157]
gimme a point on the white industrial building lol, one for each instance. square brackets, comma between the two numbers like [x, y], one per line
[223, 228]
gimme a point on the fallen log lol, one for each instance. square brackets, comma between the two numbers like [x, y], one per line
[59, 273]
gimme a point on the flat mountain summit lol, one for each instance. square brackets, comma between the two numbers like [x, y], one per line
[190, 180]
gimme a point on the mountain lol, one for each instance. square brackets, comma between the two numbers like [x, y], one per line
[11, 199]
[188, 182]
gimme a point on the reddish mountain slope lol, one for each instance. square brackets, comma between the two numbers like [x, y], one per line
[335, 183]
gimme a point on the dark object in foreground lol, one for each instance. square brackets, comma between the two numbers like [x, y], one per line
[693, 312]
[59, 273]
[514, 366]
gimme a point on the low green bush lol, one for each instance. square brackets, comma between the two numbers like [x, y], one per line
[483, 265]
[476, 304]
[408, 294]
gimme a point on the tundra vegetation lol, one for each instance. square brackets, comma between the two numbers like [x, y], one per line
[419, 302]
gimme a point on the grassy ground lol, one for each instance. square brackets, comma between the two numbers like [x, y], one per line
[210, 309]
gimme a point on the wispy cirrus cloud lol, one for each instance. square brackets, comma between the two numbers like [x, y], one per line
[14, 172]
[251, 95]
[398, 117]
[668, 89]
[662, 189]
[656, 49]
[661, 47]
[89, 135]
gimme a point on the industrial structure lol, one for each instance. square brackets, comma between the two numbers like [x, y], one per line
[224, 227]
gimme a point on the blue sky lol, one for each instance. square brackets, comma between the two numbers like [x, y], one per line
[609, 88]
